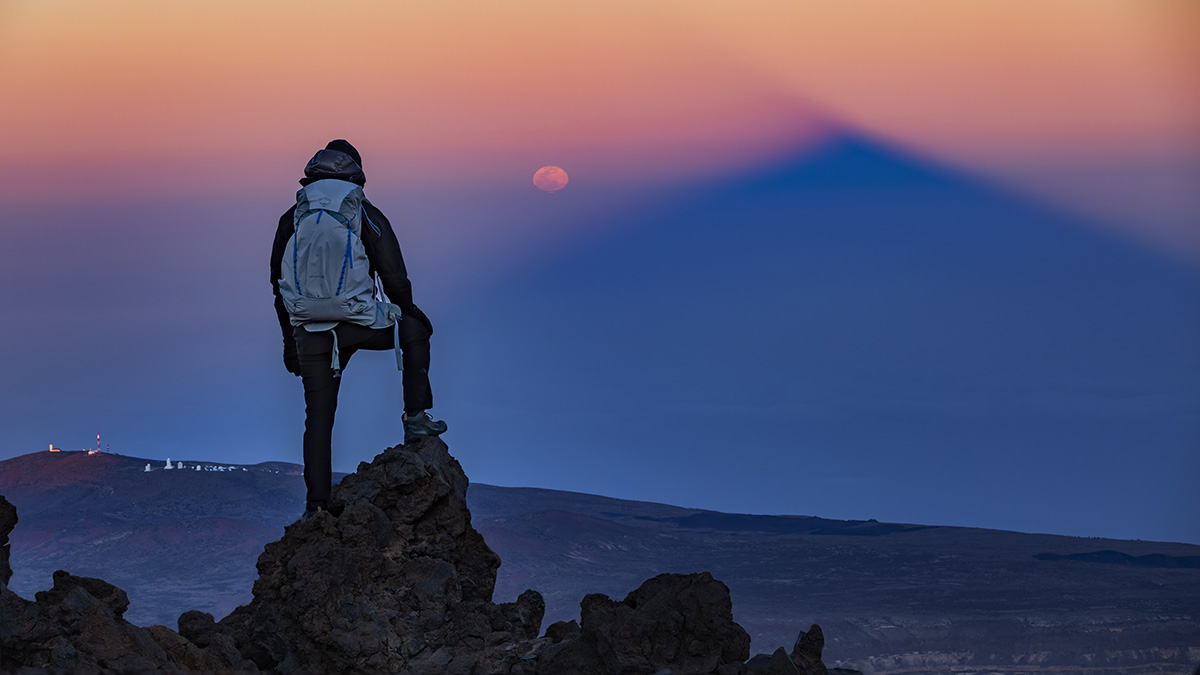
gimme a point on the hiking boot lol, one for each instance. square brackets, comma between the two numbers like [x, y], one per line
[421, 425]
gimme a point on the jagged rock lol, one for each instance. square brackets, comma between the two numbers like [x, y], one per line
[200, 628]
[758, 662]
[562, 630]
[805, 658]
[72, 594]
[576, 656]
[220, 654]
[197, 626]
[523, 617]
[8, 520]
[777, 663]
[392, 579]
[806, 653]
[678, 622]
[78, 625]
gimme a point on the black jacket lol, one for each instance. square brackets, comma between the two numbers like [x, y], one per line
[382, 248]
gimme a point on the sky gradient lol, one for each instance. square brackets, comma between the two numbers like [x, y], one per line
[151, 147]
[1053, 96]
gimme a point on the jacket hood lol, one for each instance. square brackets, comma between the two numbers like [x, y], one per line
[333, 164]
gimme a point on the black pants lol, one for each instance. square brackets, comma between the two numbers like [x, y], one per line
[321, 387]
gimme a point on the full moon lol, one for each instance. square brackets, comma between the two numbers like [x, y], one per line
[550, 179]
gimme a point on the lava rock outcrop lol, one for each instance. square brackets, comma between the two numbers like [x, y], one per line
[677, 622]
[393, 578]
[78, 626]
[8, 520]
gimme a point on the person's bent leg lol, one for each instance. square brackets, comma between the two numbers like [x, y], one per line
[414, 345]
[414, 341]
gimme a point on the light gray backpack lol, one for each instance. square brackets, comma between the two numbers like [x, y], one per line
[327, 279]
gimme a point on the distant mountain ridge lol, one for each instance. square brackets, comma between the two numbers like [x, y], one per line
[188, 539]
[1118, 558]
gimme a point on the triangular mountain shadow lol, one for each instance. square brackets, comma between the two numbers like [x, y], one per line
[823, 287]
[882, 203]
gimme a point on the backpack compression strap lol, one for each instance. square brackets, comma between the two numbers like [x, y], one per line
[346, 261]
[336, 364]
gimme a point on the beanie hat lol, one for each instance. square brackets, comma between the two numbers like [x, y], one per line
[344, 146]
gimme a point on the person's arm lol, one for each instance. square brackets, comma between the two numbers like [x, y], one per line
[384, 252]
[282, 233]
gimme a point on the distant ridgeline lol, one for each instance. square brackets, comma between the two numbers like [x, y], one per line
[1118, 558]
[739, 522]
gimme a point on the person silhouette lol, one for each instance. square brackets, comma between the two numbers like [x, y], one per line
[323, 328]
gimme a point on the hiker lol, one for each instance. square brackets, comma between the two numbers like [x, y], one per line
[333, 253]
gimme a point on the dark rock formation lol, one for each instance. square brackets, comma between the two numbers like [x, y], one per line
[393, 578]
[805, 658]
[682, 623]
[562, 630]
[671, 622]
[774, 664]
[8, 520]
[806, 653]
[78, 625]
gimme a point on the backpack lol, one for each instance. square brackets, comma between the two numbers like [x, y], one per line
[328, 278]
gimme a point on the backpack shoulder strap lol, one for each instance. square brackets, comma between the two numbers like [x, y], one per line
[367, 219]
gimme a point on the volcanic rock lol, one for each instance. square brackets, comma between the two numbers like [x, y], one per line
[677, 622]
[805, 658]
[562, 630]
[8, 520]
[78, 625]
[806, 653]
[777, 663]
[391, 578]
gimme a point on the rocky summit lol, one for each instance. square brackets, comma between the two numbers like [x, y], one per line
[391, 579]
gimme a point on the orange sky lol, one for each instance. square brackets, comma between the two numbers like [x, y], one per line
[453, 91]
